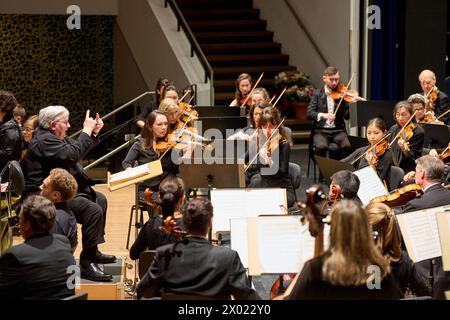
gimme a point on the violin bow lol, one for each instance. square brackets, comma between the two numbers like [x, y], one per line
[279, 97]
[259, 151]
[192, 98]
[270, 102]
[402, 129]
[445, 150]
[372, 147]
[185, 95]
[178, 135]
[345, 92]
[254, 87]
[446, 112]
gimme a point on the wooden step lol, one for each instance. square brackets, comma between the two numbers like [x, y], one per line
[220, 14]
[234, 36]
[202, 4]
[248, 60]
[228, 25]
[241, 48]
[234, 72]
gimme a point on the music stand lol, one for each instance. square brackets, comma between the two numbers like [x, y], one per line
[16, 184]
[328, 167]
[221, 124]
[436, 135]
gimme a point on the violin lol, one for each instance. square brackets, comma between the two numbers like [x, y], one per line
[431, 97]
[430, 118]
[445, 155]
[171, 227]
[316, 221]
[245, 102]
[400, 197]
[342, 92]
[187, 111]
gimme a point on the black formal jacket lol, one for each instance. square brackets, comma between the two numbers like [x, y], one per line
[442, 105]
[407, 163]
[319, 104]
[311, 286]
[434, 196]
[383, 167]
[10, 142]
[46, 152]
[140, 155]
[37, 269]
[195, 267]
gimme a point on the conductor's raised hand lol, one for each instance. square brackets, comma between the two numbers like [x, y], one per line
[89, 124]
[99, 124]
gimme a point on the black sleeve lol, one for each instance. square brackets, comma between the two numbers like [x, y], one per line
[239, 281]
[304, 285]
[151, 283]
[313, 108]
[410, 277]
[141, 243]
[357, 153]
[66, 150]
[285, 153]
[415, 145]
[10, 146]
[132, 156]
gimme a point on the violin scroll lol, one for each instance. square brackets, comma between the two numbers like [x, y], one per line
[170, 227]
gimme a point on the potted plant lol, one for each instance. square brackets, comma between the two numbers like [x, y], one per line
[298, 93]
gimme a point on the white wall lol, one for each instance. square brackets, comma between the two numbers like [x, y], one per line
[89, 7]
[328, 22]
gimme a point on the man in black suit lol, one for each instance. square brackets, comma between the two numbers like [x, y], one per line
[37, 268]
[10, 131]
[60, 187]
[427, 79]
[428, 174]
[194, 266]
[51, 148]
[329, 128]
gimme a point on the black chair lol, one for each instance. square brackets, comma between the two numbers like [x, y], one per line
[333, 147]
[145, 260]
[77, 296]
[295, 174]
[396, 178]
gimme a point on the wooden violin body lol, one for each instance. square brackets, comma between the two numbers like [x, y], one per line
[343, 92]
[400, 196]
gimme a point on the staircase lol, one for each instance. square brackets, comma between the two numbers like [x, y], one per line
[235, 40]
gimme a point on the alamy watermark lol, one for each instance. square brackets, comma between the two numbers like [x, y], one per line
[373, 17]
[74, 20]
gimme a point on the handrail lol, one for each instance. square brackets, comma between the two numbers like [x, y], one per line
[111, 153]
[117, 110]
[195, 47]
[308, 35]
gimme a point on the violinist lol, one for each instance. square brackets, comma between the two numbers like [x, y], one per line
[330, 135]
[347, 183]
[254, 118]
[405, 139]
[429, 173]
[170, 108]
[379, 156]
[244, 85]
[171, 195]
[419, 108]
[437, 99]
[194, 266]
[153, 105]
[272, 151]
[342, 271]
[144, 150]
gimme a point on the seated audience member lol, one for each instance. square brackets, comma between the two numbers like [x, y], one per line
[37, 268]
[346, 269]
[388, 240]
[171, 197]
[60, 187]
[10, 131]
[19, 114]
[194, 266]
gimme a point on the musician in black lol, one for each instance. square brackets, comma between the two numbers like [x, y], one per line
[427, 79]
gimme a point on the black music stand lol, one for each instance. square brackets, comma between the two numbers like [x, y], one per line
[224, 126]
[363, 111]
[328, 167]
[436, 135]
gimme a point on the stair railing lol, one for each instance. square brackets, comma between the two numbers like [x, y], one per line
[195, 47]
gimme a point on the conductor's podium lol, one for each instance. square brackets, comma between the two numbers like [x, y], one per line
[113, 290]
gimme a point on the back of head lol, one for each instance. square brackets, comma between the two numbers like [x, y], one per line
[385, 230]
[7, 104]
[167, 105]
[63, 182]
[416, 98]
[348, 181]
[171, 190]
[197, 216]
[433, 167]
[352, 249]
[39, 212]
[330, 71]
[49, 114]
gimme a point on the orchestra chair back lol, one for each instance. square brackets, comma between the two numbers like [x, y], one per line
[295, 175]
[397, 175]
[145, 261]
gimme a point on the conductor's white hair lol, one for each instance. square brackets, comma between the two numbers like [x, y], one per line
[51, 113]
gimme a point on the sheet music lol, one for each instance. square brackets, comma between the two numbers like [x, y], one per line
[241, 203]
[370, 186]
[284, 244]
[443, 221]
[420, 233]
[132, 172]
[239, 239]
